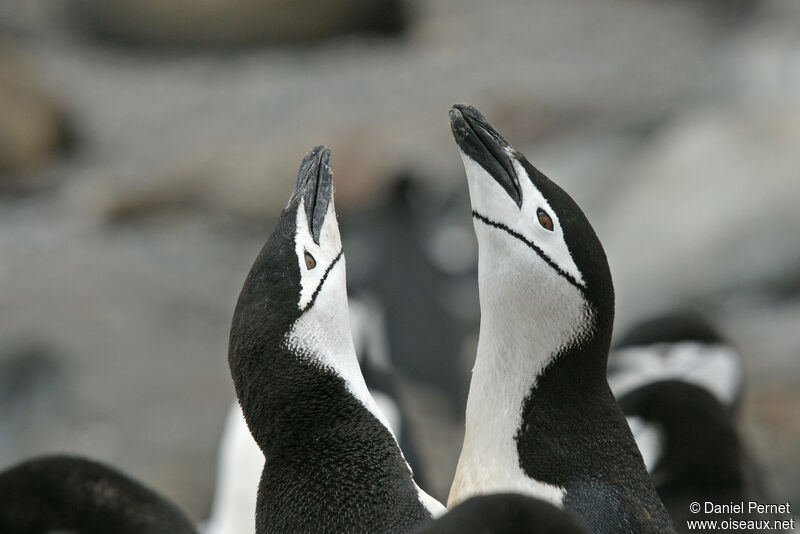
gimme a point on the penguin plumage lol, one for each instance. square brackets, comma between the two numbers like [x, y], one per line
[679, 382]
[541, 419]
[241, 461]
[72, 494]
[333, 463]
[701, 456]
[677, 345]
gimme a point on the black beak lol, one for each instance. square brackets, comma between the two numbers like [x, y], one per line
[315, 187]
[482, 143]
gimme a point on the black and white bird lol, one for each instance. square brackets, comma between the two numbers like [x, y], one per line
[541, 419]
[333, 463]
[678, 345]
[679, 383]
[74, 495]
[241, 461]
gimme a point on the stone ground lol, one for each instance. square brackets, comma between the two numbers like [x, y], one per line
[674, 124]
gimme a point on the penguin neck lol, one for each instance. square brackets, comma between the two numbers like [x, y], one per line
[530, 324]
[301, 385]
[530, 321]
[322, 336]
[328, 447]
[326, 453]
[703, 451]
[307, 406]
[279, 350]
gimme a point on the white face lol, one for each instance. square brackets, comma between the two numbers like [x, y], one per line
[490, 200]
[323, 330]
[527, 291]
[315, 259]
[715, 367]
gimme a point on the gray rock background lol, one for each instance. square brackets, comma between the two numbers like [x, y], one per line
[675, 124]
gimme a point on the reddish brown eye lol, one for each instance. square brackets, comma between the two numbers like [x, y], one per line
[310, 261]
[544, 219]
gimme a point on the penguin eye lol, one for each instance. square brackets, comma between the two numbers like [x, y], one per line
[310, 261]
[544, 219]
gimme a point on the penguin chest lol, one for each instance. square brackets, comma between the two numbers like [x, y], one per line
[491, 465]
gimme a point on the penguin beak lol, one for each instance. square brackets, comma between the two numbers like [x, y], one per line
[315, 187]
[479, 141]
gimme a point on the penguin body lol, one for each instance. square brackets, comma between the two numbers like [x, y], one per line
[333, 464]
[679, 382]
[72, 494]
[541, 419]
[241, 460]
[701, 456]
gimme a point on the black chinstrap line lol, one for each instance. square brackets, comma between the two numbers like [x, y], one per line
[322, 280]
[500, 226]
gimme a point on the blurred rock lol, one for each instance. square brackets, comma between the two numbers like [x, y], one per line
[23, 368]
[776, 429]
[243, 180]
[32, 125]
[709, 208]
[234, 181]
[726, 12]
[188, 23]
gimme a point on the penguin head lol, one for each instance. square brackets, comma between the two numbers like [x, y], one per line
[298, 269]
[537, 250]
[295, 297]
[690, 437]
[317, 243]
[680, 346]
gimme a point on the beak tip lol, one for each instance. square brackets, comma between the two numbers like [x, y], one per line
[315, 187]
[321, 152]
[481, 142]
[317, 159]
[458, 125]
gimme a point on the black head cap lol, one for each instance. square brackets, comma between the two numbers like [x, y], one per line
[269, 297]
[671, 328]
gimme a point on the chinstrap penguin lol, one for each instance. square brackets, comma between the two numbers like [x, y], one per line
[699, 455]
[241, 460]
[541, 419]
[679, 382]
[678, 345]
[76, 495]
[333, 464]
